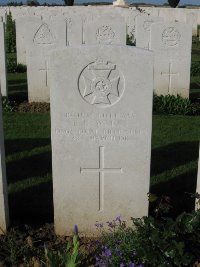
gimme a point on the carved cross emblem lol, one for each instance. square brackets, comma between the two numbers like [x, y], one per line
[100, 83]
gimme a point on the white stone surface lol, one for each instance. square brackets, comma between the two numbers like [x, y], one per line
[198, 182]
[101, 117]
[191, 19]
[3, 69]
[171, 43]
[105, 30]
[42, 37]
[143, 27]
[23, 28]
[4, 212]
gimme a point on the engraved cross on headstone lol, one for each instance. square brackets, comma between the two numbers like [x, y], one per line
[46, 71]
[148, 46]
[101, 170]
[170, 74]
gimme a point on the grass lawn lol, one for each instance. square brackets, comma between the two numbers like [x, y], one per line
[28, 157]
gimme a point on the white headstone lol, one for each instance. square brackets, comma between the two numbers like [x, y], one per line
[4, 212]
[23, 28]
[105, 30]
[191, 19]
[101, 116]
[3, 68]
[171, 43]
[143, 27]
[43, 37]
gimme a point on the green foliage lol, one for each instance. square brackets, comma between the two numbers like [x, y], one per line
[33, 3]
[12, 249]
[151, 242]
[173, 105]
[69, 257]
[173, 3]
[8, 106]
[10, 35]
[195, 68]
[130, 40]
[13, 67]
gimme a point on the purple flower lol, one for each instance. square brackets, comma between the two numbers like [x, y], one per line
[122, 265]
[130, 264]
[107, 253]
[111, 224]
[75, 229]
[118, 219]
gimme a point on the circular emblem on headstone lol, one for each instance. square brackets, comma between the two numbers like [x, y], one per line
[101, 83]
[105, 34]
[171, 36]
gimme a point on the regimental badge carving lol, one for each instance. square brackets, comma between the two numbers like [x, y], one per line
[171, 36]
[105, 34]
[101, 83]
[43, 35]
[147, 24]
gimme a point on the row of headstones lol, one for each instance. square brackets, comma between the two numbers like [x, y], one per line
[101, 120]
[186, 15]
[170, 42]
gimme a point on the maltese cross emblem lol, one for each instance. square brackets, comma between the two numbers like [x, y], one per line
[101, 83]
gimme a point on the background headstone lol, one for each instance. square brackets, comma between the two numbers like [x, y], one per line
[23, 28]
[171, 43]
[3, 68]
[4, 212]
[143, 27]
[105, 30]
[101, 113]
[41, 38]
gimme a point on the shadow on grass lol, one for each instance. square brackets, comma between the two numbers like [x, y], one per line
[195, 85]
[177, 189]
[33, 206]
[18, 90]
[173, 155]
[33, 166]
[19, 145]
[17, 82]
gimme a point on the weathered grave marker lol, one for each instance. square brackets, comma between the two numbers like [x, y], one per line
[4, 212]
[3, 68]
[101, 137]
[42, 37]
[143, 26]
[171, 43]
[105, 30]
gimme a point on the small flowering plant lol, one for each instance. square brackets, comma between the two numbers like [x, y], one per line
[116, 247]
